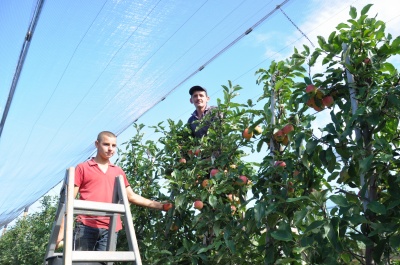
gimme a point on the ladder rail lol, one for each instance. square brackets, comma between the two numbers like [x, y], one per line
[69, 218]
[50, 250]
[132, 240]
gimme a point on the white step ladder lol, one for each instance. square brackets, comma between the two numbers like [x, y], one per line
[69, 206]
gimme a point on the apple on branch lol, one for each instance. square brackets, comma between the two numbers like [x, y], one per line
[247, 134]
[204, 184]
[327, 101]
[243, 180]
[280, 164]
[198, 205]
[279, 136]
[167, 206]
[311, 89]
[213, 172]
[288, 128]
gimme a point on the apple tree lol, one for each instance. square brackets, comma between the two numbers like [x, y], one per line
[335, 200]
[210, 170]
[326, 190]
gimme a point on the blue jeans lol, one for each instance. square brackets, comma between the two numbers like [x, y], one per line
[87, 238]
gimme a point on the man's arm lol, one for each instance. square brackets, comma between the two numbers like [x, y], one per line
[141, 201]
[61, 233]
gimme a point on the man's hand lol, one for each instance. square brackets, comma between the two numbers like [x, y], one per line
[60, 244]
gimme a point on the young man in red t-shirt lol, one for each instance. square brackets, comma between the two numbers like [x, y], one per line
[94, 181]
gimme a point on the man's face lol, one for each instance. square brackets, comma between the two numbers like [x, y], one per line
[199, 99]
[106, 147]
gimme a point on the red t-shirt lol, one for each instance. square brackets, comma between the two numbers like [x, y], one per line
[95, 185]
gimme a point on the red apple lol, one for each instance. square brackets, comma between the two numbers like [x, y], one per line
[242, 180]
[197, 152]
[213, 172]
[287, 128]
[198, 205]
[327, 101]
[233, 209]
[311, 103]
[290, 187]
[311, 89]
[296, 173]
[230, 197]
[167, 206]
[247, 134]
[279, 136]
[367, 60]
[174, 227]
[204, 184]
[182, 160]
[280, 164]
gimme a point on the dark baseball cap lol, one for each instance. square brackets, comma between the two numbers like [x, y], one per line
[196, 88]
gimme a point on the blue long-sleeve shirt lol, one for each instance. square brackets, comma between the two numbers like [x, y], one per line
[193, 123]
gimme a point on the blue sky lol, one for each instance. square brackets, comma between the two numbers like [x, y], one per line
[274, 39]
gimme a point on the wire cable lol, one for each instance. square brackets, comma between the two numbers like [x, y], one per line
[21, 60]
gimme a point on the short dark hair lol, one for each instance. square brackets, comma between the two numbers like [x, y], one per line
[197, 88]
[105, 133]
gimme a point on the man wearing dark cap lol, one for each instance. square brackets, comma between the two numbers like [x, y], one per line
[199, 98]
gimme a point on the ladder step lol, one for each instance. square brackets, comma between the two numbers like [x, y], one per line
[81, 205]
[103, 256]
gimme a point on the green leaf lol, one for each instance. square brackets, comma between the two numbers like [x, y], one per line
[342, 26]
[365, 9]
[166, 252]
[377, 207]
[179, 200]
[353, 12]
[310, 146]
[330, 156]
[314, 225]
[298, 199]
[395, 241]
[357, 219]
[279, 84]
[259, 211]
[395, 102]
[299, 216]
[282, 235]
[259, 145]
[299, 139]
[388, 67]
[231, 246]
[333, 233]
[339, 200]
[228, 241]
[213, 200]
[393, 204]
[365, 164]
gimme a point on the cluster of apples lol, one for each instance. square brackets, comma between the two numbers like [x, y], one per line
[233, 199]
[318, 100]
[247, 133]
[241, 181]
[281, 136]
[195, 152]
